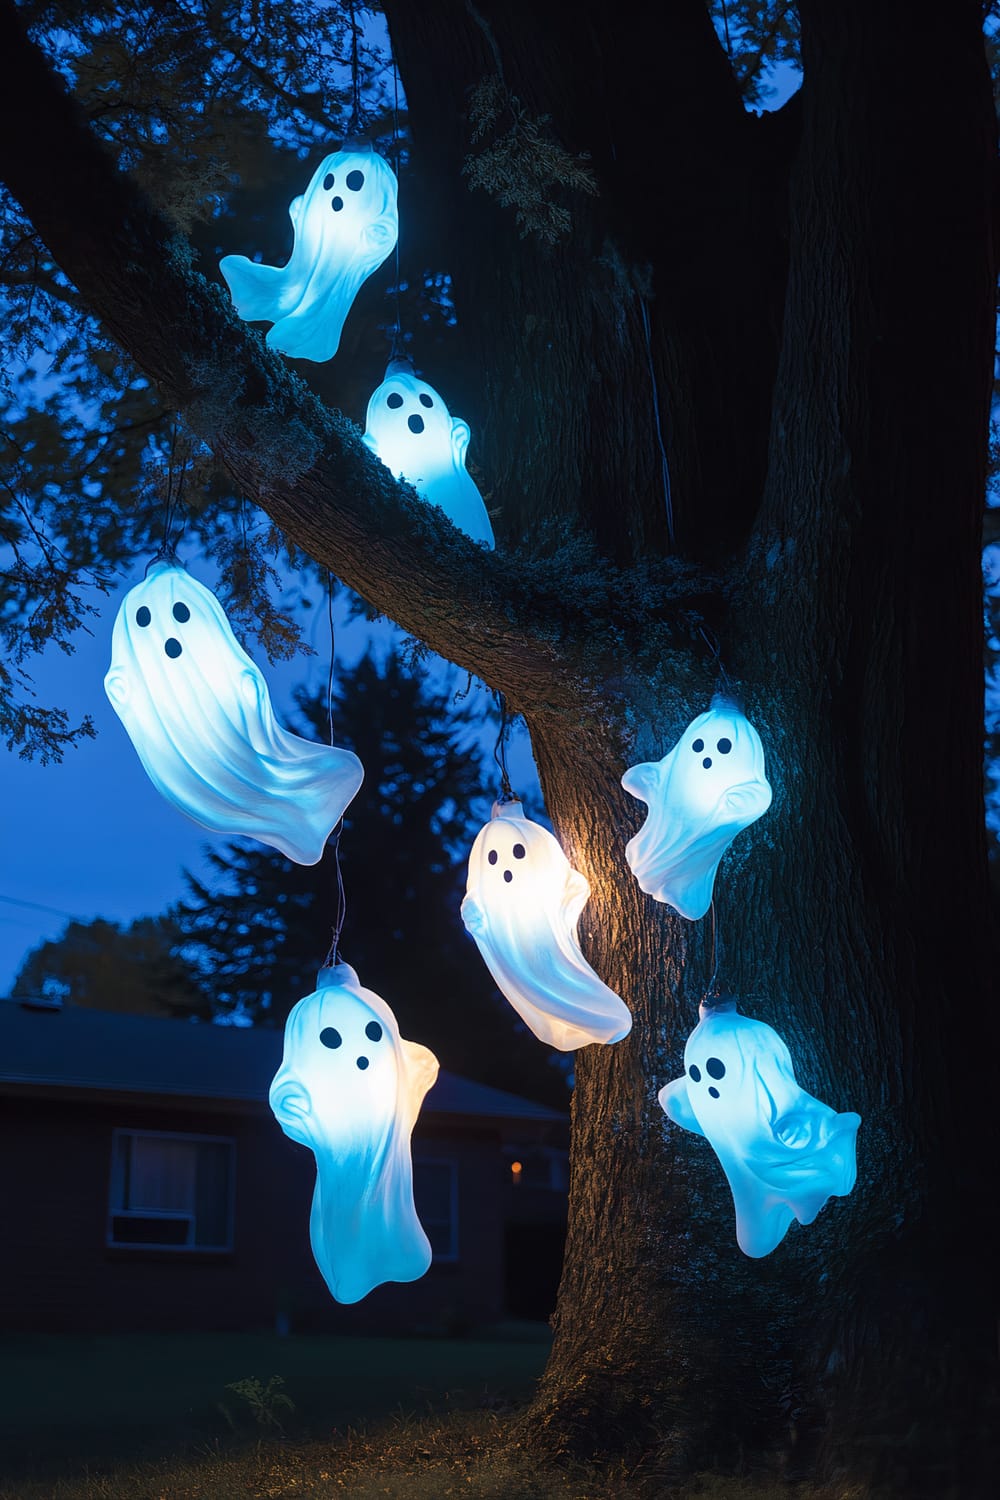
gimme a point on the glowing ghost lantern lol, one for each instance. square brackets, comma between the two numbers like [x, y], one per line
[350, 1088]
[783, 1152]
[345, 224]
[198, 712]
[703, 793]
[522, 906]
[411, 430]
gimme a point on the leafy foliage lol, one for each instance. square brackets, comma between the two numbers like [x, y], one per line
[758, 36]
[264, 1401]
[193, 99]
[524, 165]
[105, 966]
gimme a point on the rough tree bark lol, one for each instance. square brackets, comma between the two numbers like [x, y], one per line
[820, 293]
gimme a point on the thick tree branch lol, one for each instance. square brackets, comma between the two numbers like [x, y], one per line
[520, 624]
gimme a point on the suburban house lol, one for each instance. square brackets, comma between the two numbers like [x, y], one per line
[146, 1185]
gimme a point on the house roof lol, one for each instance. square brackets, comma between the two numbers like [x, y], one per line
[76, 1048]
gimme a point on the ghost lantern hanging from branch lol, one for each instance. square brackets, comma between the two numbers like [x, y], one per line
[345, 224]
[350, 1088]
[410, 429]
[783, 1152]
[199, 714]
[522, 906]
[704, 792]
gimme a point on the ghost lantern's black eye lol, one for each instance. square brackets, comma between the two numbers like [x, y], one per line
[328, 181]
[355, 181]
[173, 648]
[518, 851]
[698, 746]
[394, 400]
[181, 613]
[373, 1031]
[493, 856]
[142, 616]
[724, 746]
[695, 1072]
[330, 1036]
[716, 1067]
[425, 400]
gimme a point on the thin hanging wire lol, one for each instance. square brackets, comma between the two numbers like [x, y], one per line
[664, 465]
[396, 350]
[711, 641]
[167, 550]
[333, 953]
[507, 793]
[358, 120]
[725, 27]
[329, 680]
[710, 990]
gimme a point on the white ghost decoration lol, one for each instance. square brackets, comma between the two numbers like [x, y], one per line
[198, 712]
[522, 906]
[703, 793]
[411, 430]
[345, 224]
[783, 1152]
[350, 1089]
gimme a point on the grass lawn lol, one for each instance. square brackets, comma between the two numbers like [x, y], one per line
[73, 1404]
[466, 1454]
[145, 1418]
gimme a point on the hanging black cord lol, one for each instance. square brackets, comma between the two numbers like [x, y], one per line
[329, 680]
[725, 27]
[664, 466]
[713, 645]
[507, 793]
[710, 990]
[397, 333]
[357, 122]
[333, 954]
[167, 552]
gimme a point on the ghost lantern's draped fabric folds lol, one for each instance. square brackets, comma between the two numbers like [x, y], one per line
[522, 906]
[345, 224]
[350, 1088]
[704, 792]
[411, 430]
[783, 1152]
[198, 712]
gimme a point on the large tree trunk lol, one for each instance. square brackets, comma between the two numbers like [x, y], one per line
[819, 289]
[854, 919]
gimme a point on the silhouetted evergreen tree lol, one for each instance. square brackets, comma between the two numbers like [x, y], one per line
[259, 931]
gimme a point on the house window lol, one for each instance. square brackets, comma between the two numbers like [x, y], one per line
[171, 1192]
[435, 1193]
